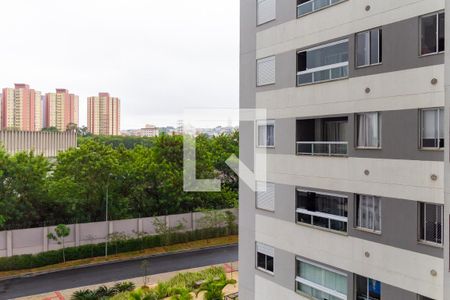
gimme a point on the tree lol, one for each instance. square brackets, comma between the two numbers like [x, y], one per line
[50, 129]
[2, 221]
[83, 131]
[72, 127]
[165, 231]
[212, 219]
[61, 232]
[145, 265]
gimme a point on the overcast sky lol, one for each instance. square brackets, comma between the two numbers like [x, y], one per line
[157, 56]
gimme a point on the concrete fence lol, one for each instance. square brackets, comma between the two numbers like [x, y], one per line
[34, 240]
[48, 144]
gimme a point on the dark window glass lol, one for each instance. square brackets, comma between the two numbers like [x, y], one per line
[261, 261]
[428, 32]
[432, 29]
[301, 61]
[269, 263]
[321, 210]
[441, 32]
[367, 289]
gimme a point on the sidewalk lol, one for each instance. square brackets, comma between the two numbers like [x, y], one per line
[139, 281]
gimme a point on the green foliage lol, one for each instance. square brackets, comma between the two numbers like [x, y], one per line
[183, 285]
[84, 295]
[103, 292]
[50, 129]
[61, 232]
[214, 287]
[29, 261]
[126, 286]
[144, 178]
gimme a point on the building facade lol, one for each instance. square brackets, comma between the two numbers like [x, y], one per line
[357, 196]
[103, 115]
[147, 131]
[61, 109]
[21, 108]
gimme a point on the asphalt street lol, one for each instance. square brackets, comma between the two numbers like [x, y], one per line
[21, 287]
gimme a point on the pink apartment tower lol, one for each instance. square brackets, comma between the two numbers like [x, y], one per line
[21, 108]
[61, 109]
[103, 115]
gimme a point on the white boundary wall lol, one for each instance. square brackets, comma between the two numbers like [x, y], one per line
[34, 240]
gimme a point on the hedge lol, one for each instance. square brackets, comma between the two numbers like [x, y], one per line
[28, 261]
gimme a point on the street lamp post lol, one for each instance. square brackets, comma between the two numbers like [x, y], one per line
[106, 216]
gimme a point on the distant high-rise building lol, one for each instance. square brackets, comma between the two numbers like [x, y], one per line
[103, 114]
[61, 109]
[21, 108]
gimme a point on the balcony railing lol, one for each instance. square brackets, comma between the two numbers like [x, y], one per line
[325, 73]
[313, 5]
[322, 148]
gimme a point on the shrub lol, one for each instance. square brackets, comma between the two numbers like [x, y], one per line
[124, 287]
[29, 261]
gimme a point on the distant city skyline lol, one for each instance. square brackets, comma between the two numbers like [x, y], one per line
[170, 62]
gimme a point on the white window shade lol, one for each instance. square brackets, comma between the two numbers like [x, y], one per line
[265, 249]
[266, 10]
[265, 71]
[265, 196]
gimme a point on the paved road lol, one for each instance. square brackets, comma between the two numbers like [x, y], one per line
[114, 272]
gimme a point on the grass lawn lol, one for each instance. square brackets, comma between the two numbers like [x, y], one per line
[221, 241]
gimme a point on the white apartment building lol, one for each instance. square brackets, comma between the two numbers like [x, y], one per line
[357, 195]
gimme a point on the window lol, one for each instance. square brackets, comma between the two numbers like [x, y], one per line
[368, 212]
[265, 196]
[431, 218]
[326, 62]
[368, 126]
[266, 133]
[266, 11]
[368, 48]
[308, 6]
[432, 128]
[367, 289]
[264, 257]
[265, 71]
[419, 297]
[432, 33]
[320, 282]
[323, 210]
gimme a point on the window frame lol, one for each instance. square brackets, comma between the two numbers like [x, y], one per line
[314, 11]
[358, 214]
[422, 225]
[258, 60]
[257, 14]
[325, 67]
[265, 123]
[380, 47]
[256, 195]
[265, 270]
[316, 286]
[422, 127]
[380, 126]
[436, 14]
[320, 214]
[367, 285]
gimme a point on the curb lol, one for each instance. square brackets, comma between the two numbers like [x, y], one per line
[34, 274]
